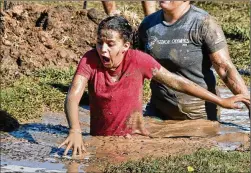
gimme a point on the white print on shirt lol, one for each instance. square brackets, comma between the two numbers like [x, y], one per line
[154, 40]
[219, 39]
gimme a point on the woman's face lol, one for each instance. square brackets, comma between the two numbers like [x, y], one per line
[111, 48]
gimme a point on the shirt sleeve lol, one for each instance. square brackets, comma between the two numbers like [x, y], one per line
[212, 35]
[85, 66]
[147, 65]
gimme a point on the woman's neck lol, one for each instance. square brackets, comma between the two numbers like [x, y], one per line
[174, 15]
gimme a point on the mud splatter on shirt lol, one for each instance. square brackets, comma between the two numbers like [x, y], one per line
[182, 48]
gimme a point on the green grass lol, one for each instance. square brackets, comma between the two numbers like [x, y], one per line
[29, 96]
[146, 91]
[202, 161]
[232, 16]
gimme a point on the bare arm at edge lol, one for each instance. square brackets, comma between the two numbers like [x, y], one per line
[226, 70]
[182, 84]
[72, 100]
[74, 139]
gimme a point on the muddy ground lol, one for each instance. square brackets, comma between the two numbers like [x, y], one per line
[33, 147]
[36, 36]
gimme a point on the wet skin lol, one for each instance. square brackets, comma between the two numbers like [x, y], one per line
[171, 5]
[228, 73]
[111, 49]
[182, 84]
[173, 10]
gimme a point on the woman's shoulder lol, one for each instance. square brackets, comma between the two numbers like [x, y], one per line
[136, 52]
[198, 13]
[91, 53]
[136, 55]
[91, 57]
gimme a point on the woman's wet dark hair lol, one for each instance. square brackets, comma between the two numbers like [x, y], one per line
[119, 24]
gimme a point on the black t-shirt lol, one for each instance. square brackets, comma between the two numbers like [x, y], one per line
[182, 48]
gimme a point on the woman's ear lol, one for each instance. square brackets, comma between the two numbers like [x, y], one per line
[126, 46]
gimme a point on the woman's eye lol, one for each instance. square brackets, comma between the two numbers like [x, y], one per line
[111, 44]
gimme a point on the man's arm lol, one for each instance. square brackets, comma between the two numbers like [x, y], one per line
[226, 70]
[214, 41]
[182, 84]
[74, 139]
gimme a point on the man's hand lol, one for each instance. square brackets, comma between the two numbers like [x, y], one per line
[231, 102]
[75, 141]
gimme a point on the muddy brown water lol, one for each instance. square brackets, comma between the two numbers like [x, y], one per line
[33, 147]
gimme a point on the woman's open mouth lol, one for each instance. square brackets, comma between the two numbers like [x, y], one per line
[105, 59]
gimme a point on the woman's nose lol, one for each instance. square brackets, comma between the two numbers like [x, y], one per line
[104, 48]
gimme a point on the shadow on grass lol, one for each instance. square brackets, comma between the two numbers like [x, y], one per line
[7, 122]
[64, 88]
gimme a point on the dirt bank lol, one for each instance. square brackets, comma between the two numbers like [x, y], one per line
[36, 36]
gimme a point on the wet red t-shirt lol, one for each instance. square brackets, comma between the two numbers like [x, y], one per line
[113, 103]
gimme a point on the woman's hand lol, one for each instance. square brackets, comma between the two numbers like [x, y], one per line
[75, 141]
[231, 102]
[136, 123]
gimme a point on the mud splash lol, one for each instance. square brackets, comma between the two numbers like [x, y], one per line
[33, 147]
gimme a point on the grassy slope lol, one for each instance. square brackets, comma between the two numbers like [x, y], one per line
[202, 161]
[28, 97]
